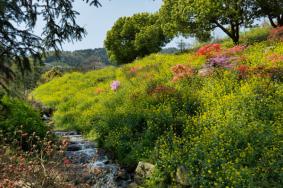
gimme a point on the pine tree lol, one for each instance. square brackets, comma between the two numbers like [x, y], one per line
[19, 44]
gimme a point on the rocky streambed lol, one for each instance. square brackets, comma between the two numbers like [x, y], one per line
[91, 165]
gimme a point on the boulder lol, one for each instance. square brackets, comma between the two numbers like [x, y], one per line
[143, 171]
[182, 176]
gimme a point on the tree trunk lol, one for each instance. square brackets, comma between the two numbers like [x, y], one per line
[271, 21]
[234, 34]
[280, 20]
[236, 39]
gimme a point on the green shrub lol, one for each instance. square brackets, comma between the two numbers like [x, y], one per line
[234, 141]
[18, 121]
[54, 72]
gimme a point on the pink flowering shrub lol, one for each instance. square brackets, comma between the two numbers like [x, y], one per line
[220, 61]
[218, 57]
[181, 72]
[115, 85]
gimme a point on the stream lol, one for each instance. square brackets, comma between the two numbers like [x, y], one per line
[101, 172]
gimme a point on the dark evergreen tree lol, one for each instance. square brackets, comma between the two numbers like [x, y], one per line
[19, 44]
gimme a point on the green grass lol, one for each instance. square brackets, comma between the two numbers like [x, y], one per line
[225, 128]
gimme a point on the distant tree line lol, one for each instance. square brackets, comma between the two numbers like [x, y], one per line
[83, 60]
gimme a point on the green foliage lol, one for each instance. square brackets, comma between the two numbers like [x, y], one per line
[133, 37]
[225, 128]
[17, 118]
[235, 141]
[24, 82]
[199, 18]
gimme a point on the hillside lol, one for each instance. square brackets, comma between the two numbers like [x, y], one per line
[216, 112]
[89, 59]
[139, 112]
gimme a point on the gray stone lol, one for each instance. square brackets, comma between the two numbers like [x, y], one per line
[74, 147]
[144, 171]
[182, 176]
[206, 71]
[122, 174]
[133, 185]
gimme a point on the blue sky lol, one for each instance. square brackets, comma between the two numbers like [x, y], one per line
[98, 21]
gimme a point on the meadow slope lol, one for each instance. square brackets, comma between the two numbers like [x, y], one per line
[216, 112]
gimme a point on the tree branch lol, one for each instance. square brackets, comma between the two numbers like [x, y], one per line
[223, 29]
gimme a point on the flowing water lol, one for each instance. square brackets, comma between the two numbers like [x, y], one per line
[102, 172]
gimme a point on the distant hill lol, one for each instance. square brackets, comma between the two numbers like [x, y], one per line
[88, 59]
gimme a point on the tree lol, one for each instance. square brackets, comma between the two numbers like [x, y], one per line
[19, 44]
[200, 17]
[273, 9]
[133, 37]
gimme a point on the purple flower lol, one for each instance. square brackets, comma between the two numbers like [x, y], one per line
[220, 61]
[115, 85]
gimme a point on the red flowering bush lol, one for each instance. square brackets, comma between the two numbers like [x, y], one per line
[215, 50]
[276, 34]
[181, 72]
[243, 71]
[217, 57]
[209, 50]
